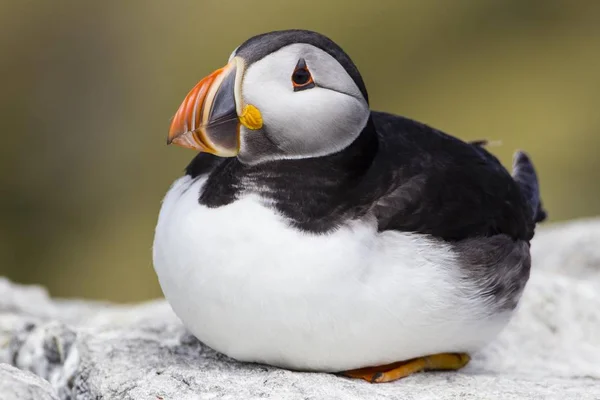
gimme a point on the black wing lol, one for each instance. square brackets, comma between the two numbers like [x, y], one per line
[440, 185]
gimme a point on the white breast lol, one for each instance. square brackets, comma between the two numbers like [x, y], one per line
[250, 286]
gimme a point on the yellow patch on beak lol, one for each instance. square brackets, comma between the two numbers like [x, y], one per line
[251, 117]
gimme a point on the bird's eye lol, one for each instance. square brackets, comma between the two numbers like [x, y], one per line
[301, 78]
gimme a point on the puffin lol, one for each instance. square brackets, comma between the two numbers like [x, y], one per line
[312, 233]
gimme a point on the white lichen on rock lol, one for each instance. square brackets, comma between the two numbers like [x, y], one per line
[83, 350]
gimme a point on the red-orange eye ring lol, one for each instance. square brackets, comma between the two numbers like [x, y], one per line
[302, 78]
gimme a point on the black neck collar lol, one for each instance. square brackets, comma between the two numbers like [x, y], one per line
[316, 194]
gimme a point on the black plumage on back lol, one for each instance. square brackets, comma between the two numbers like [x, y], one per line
[446, 187]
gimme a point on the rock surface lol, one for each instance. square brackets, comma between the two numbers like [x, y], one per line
[84, 350]
[19, 384]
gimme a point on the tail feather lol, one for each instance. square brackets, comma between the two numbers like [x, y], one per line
[525, 176]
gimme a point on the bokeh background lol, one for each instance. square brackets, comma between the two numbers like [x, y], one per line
[88, 90]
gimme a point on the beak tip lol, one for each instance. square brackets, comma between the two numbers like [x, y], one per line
[175, 132]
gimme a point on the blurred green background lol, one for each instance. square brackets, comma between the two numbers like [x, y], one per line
[88, 90]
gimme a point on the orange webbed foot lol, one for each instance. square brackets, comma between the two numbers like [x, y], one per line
[398, 370]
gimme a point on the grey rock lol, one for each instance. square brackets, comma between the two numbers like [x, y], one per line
[83, 350]
[571, 248]
[21, 385]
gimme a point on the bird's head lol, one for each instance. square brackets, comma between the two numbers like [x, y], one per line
[282, 95]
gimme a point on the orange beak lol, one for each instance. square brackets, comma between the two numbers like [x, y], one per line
[207, 120]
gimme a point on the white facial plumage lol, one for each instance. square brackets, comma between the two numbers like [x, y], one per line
[300, 124]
